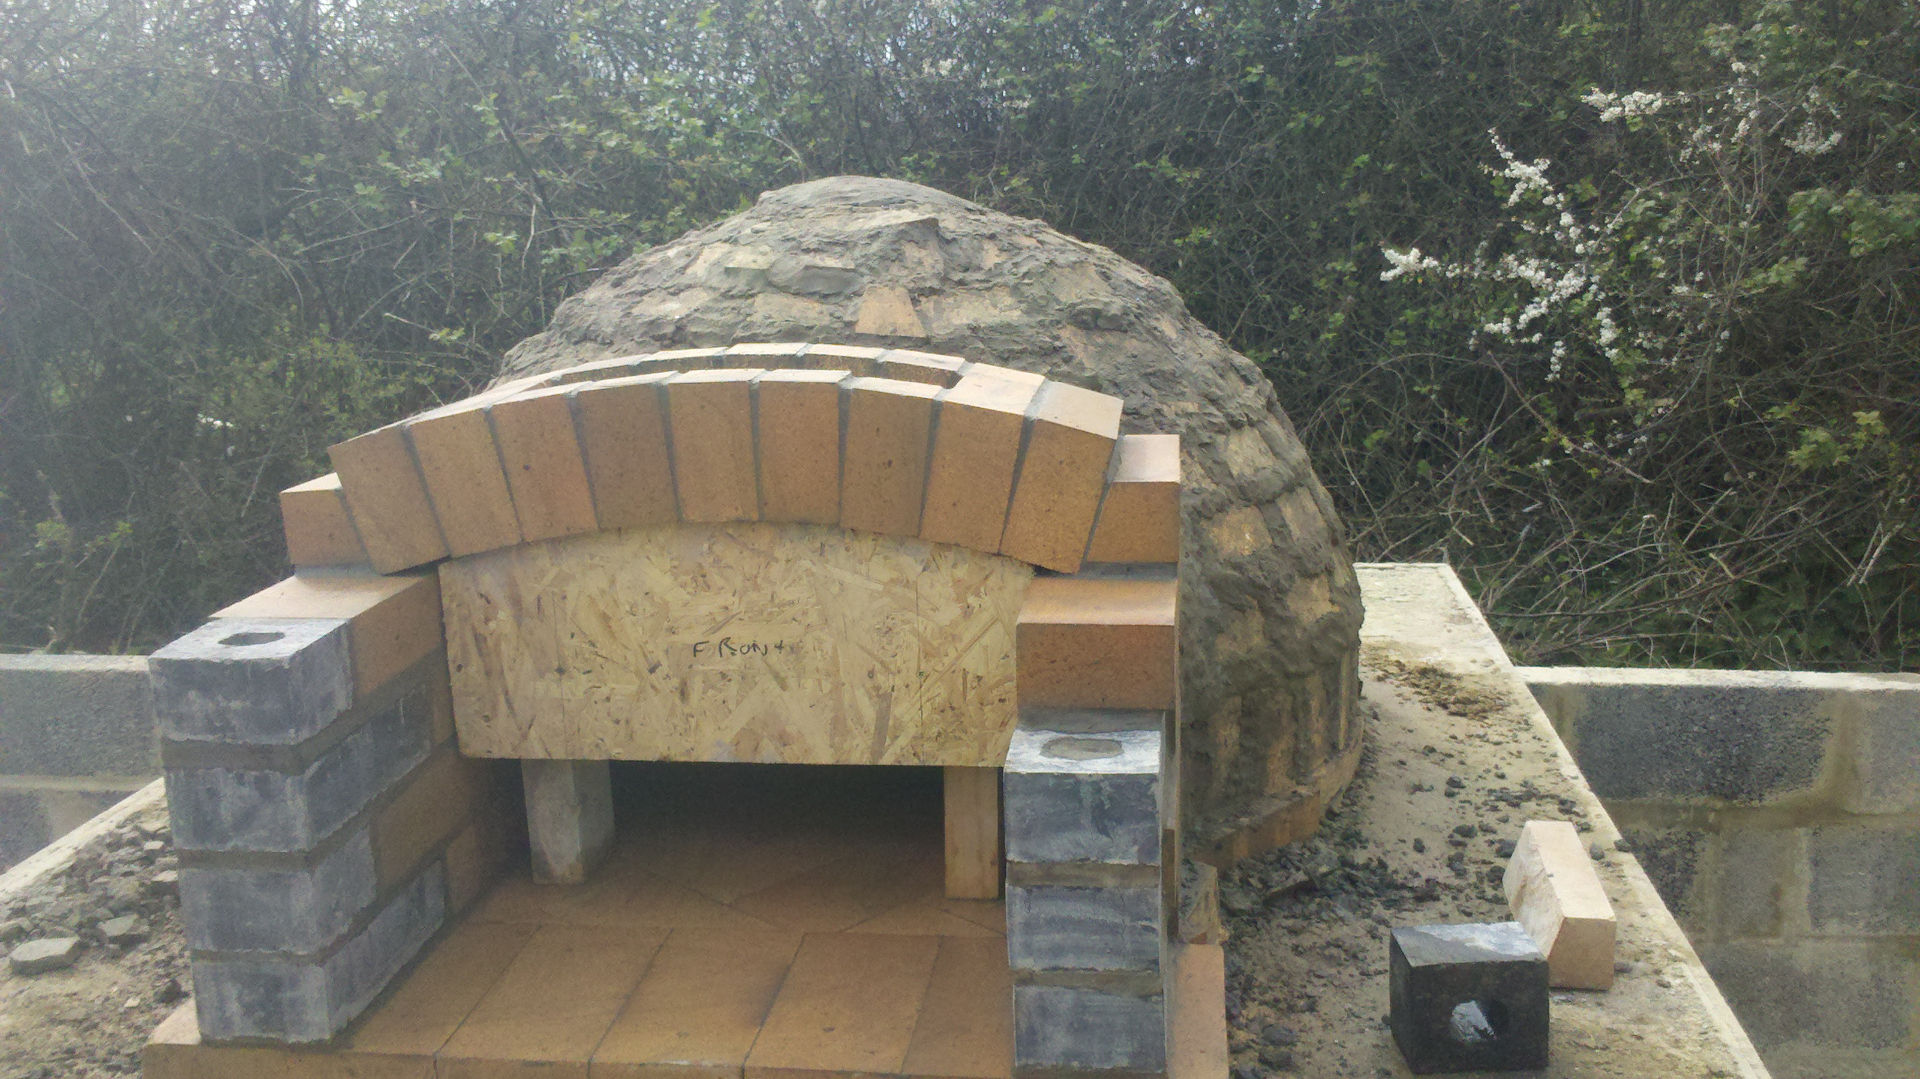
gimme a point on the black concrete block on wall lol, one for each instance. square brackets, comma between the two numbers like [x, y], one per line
[1468, 998]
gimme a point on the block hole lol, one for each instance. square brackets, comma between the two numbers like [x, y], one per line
[1478, 1022]
[241, 640]
[1080, 749]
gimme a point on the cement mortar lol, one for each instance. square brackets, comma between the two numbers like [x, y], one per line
[1269, 602]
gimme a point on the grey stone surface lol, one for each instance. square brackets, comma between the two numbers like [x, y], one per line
[253, 681]
[1495, 971]
[45, 954]
[1758, 880]
[1056, 928]
[232, 809]
[1857, 994]
[1269, 603]
[1886, 750]
[1101, 809]
[76, 716]
[293, 1001]
[1695, 741]
[1671, 857]
[124, 930]
[1075, 1028]
[1864, 880]
[273, 910]
[23, 826]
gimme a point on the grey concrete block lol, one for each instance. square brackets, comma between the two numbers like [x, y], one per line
[1061, 1027]
[23, 826]
[76, 716]
[253, 681]
[293, 1001]
[1671, 857]
[1843, 993]
[1886, 750]
[1757, 881]
[1864, 881]
[1073, 797]
[1732, 743]
[1053, 928]
[233, 809]
[297, 911]
[1468, 998]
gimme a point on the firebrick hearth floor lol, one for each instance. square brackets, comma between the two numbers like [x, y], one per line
[761, 923]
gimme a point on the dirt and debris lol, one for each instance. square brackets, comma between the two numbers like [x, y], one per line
[118, 904]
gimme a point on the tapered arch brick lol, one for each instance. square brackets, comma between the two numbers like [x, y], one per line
[885, 440]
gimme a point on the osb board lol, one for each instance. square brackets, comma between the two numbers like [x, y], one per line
[750, 642]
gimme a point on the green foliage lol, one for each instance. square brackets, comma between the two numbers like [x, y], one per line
[1640, 361]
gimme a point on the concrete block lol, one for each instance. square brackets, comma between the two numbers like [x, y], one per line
[569, 817]
[1555, 894]
[540, 451]
[797, 420]
[623, 432]
[1105, 929]
[1063, 469]
[461, 467]
[1468, 998]
[299, 1002]
[318, 529]
[1058, 1028]
[76, 716]
[1758, 881]
[395, 617]
[388, 499]
[975, 451]
[1843, 993]
[1672, 859]
[883, 474]
[253, 681]
[1098, 643]
[237, 809]
[1886, 749]
[1083, 798]
[299, 911]
[1864, 881]
[1140, 514]
[711, 423]
[1690, 736]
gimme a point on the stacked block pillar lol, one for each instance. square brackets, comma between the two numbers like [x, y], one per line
[326, 825]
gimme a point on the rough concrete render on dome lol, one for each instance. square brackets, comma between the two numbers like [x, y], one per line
[1269, 601]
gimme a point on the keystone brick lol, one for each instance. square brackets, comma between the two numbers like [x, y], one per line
[927, 367]
[1058, 1027]
[462, 471]
[883, 479]
[975, 451]
[712, 429]
[394, 621]
[856, 359]
[1556, 896]
[1057, 928]
[261, 681]
[1140, 515]
[292, 1001]
[318, 529]
[1098, 643]
[388, 499]
[232, 809]
[623, 427]
[264, 910]
[541, 455]
[1062, 472]
[1083, 798]
[761, 354]
[1468, 998]
[798, 419]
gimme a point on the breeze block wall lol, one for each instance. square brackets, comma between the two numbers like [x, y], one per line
[326, 825]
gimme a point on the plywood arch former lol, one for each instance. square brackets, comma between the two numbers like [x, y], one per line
[789, 644]
[890, 442]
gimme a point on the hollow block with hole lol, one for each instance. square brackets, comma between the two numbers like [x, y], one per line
[1468, 998]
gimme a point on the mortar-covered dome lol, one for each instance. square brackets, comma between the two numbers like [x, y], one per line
[1269, 602]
